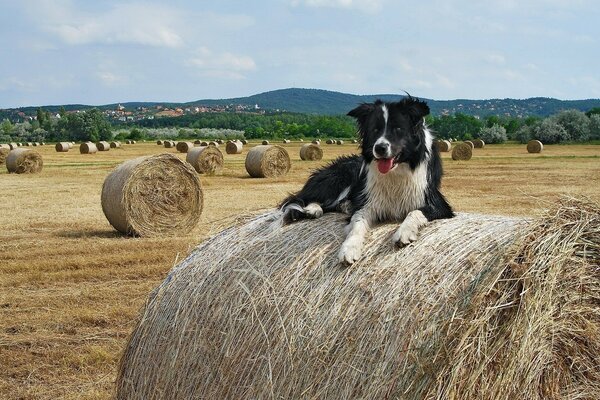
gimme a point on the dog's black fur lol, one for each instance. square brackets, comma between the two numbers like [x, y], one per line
[392, 134]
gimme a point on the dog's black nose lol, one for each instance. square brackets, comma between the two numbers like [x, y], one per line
[382, 149]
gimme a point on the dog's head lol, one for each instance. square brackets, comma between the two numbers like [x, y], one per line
[392, 133]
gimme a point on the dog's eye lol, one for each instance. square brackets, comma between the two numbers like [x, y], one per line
[375, 130]
[397, 130]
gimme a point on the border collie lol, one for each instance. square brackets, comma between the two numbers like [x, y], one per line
[396, 178]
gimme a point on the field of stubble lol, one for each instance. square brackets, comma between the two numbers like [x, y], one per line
[71, 287]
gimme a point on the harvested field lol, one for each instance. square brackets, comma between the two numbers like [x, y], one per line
[71, 287]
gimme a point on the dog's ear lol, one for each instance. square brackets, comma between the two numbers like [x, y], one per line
[362, 112]
[417, 109]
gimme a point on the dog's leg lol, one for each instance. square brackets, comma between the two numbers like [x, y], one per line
[313, 210]
[352, 247]
[409, 228]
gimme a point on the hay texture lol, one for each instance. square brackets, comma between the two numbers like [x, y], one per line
[265, 142]
[443, 146]
[214, 144]
[88, 148]
[462, 152]
[13, 146]
[267, 161]
[316, 141]
[115, 145]
[478, 143]
[3, 153]
[153, 196]
[534, 146]
[470, 144]
[339, 142]
[160, 142]
[244, 141]
[103, 146]
[62, 147]
[184, 147]
[205, 159]
[479, 307]
[234, 147]
[311, 152]
[24, 161]
[169, 144]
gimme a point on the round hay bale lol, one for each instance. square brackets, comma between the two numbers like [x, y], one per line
[13, 146]
[5, 146]
[28, 144]
[244, 141]
[330, 141]
[265, 142]
[88, 148]
[354, 141]
[267, 161]
[213, 143]
[184, 147]
[169, 144]
[316, 141]
[220, 141]
[63, 147]
[443, 146]
[470, 144]
[301, 140]
[160, 142]
[35, 144]
[3, 153]
[197, 142]
[462, 152]
[71, 144]
[24, 161]
[286, 141]
[234, 147]
[115, 145]
[311, 152]
[103, 146]
[203, 144]
[128, 142]
[478, 143]
[205, 159]
[534, 146]
[339, 142]
[479, 307]
[153, 196]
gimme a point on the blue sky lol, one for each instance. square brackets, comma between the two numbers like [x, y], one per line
[98, 52]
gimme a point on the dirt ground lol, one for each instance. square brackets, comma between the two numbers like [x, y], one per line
[71, 287]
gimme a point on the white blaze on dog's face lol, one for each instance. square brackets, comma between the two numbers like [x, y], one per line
[392, 133]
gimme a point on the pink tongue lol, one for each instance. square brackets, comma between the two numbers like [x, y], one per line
[385, 164]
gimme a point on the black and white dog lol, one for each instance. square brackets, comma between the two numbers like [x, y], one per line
[396, 178]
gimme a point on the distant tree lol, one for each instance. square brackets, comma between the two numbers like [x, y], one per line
[575, 123]
[91, 125]
[593, 111]
[594, 126]
[549, 131]
[41, 116]
[494, 134]
[523, 134]
[6, 127]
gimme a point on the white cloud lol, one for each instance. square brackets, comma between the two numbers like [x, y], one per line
[496, 59]
[370, 6]
[222, 64]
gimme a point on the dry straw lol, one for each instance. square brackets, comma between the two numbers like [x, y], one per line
[443, 146]
[316, 141]
[535, 146]
[13, 146]
[63, 147]
[103, 146]
[311, 152]
[214, 144]
[478, 143]
[159, 142]
[339, 142]
[234, 147]
[184, 147]
[24, 161]
[169, 144]
[115, 145]
[470, 144]
[286, 141]
[330, 141]
[479, 307]
[244, 141]
[205, 159]
[267, 161]
[88, 148]
[3, 153]
[265, 142]
[462, 152]
[5, 146]
[153, 196]
[71, 144]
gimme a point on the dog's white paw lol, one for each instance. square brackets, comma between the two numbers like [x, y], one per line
[409, 229]
[350, 252]
[313, 210]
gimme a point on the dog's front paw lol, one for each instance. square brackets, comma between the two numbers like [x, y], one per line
[313, 210]
[350, 252]
[405, 234]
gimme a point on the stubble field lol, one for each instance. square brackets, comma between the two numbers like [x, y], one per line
[71, 287]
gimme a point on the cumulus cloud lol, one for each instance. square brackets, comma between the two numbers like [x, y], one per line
[221, 64]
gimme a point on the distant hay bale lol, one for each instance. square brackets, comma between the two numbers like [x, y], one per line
[103, 146]
[35, 144]
[160, 142]
[220, 141]
[129, 142]
[19, 144]
[265, 142]
[330, 141]
[244, 141]
[478, 143]
[5, 146]
[286, 141]
[3, 153]
[478, 307]
[203, 144]
[115, 145]
[88, 148]
[534, 146]
[301, 140]
[184, 147]
[354, 141]
[470, 144]
[153, 196]
[339, 142]
[311, 152]
[214, 143]
[462, 152]
[316, 141]
[63, 147]
[267, 161]
[197, 142]
[169, 144]
[443, 146]
[71, 144]
[24, 161]
[205, 159]
[234, 147]
[29, 144]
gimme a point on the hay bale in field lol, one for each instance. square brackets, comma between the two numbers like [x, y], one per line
[311, 152]
[479, 307]
[203, 144]
[3, 153]
[213, 143]
[286, 141]
[205, 159]
[153, 196]
[63, 147]
[244, 141]
[220, 141]
[330, 141]
[28, 144]
[534, 146]
[267, 161]
[354, 141]
[71, 144]
[316, 141]
[265, 142]
[103, 146]
[478, 143]
[443, 146]
[115, 145]
[184, 147]
[169, 144]
[24, 161]
[5, 146]
[462, 152]
[339, 142]
[197, 142]
[234, 147]
[35, 144]
[88, 148]
[470, 144]
[160, 142]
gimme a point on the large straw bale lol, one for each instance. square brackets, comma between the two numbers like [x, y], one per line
[5, 146]
[205, 159]
[234, 147]
[115, 145]
[267, 161]
[462, 152]
[470, 144]
[63, 147]
[479, 307]
[24, 161]
[534, 146]
[71, 144]
[103, 146]
[153, 196]
[88, 148]
[443, 146]
[478, 143]
[311, 152]
[184, 147]
[3, 153]
[160, 142]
